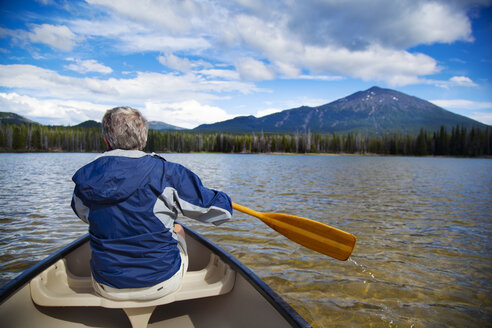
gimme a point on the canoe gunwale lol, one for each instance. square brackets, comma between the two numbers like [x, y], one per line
[294, 318]
[284, 308]
[28, 274]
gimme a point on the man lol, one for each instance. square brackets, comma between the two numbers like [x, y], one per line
[130, 200]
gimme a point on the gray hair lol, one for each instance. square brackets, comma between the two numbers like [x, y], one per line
[125, 128]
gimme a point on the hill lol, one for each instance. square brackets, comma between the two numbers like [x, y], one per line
[161, 126]
[12, 118]
[89, 124]
[375, 111]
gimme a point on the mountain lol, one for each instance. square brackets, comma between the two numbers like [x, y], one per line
[89, 124]
[375, 111]
[12, 118]
[155, 125]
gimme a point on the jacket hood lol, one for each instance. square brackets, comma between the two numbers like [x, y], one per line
[112, 178]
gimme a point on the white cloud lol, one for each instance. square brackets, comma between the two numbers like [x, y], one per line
[176, 16]
[85, 66]
[46, 2]
[350, 24]
[462, 104]
[270, 40]
[477, 110]
[186, 114]
[226, 74]
[439, 22]
[375, 63]
[462, 81]
[58, 37]
[170, 91]
[134, 36]
[267, 111]
[254, 70]
[156, 42]
[485, 118]
[171, 61]
[144, 86]
[367, 40]
[111, 27]
[5, 32]
[356, 24]
[49, 84]
[52, 111]
[322, 77]
[455, 81]
[290, 56]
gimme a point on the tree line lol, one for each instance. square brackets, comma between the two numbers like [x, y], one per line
[460, 141]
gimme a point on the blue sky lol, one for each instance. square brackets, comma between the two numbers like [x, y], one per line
[191, 62]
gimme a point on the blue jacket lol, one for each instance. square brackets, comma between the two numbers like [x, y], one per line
[130, 200]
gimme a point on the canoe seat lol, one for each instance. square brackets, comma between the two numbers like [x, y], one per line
[58, 287]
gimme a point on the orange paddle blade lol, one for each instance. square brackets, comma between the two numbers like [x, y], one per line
[309, 233]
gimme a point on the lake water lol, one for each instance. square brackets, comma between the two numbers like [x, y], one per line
[424, 225]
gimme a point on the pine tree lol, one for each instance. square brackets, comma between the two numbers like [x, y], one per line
[421, 143]
[18, 137]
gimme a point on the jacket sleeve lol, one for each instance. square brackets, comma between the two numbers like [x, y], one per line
[79, 208]
[194, 200]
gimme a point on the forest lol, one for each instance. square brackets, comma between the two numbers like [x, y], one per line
[460, 141]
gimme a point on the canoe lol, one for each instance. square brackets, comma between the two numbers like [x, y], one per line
[217, 291]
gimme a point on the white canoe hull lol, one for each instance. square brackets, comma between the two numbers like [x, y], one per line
[250, 302]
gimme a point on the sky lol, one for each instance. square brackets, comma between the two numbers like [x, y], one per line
[189, 62]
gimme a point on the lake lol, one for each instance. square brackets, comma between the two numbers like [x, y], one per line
[424, 225]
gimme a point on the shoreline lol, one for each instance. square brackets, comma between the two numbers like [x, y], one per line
[59, 151]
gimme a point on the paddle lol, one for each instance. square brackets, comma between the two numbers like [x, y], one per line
[309, 233]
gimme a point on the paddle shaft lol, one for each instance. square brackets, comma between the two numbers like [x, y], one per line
[309, 233]
[249, 211]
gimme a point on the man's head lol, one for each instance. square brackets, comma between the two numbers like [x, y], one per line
[125, 128]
